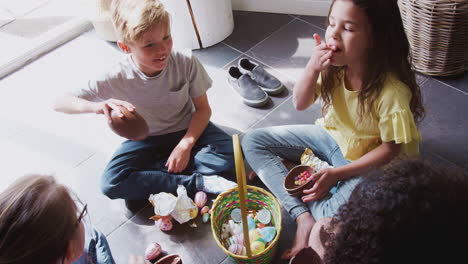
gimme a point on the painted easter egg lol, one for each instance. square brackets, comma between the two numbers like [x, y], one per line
[264, 216]
[239, 238]
[206, 218]
[251, 222]
[153, 250]
[254, 235]
[257, 247]
[236, 215]
[200, 199]
[165, 224]
[193, 212]
[267, 233]
[204, 210]
[236, 249]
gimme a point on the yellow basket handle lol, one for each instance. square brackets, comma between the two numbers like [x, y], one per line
[242, 189]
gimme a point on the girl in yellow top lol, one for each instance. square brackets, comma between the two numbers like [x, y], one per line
[371, 105]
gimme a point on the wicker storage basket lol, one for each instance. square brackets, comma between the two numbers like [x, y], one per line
[438, 34]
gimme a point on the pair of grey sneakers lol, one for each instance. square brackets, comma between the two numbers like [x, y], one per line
[253, 83]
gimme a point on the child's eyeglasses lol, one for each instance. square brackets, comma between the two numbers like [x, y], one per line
[84, 211]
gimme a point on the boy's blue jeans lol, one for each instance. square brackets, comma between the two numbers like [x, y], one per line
[137, 169]
[264, 147]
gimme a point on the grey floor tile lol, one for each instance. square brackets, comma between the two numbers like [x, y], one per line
[227, 107]
[253, 27]
[31, 27]
[420, 78]
[193, 244]
[446, 124]
[459, 81]
[288, 50]
[85, 181]
[53, 146]
[216, 56]
[438, 161]
[319, 21]
[286, 114]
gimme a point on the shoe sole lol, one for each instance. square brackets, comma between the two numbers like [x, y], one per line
[248, 102]
[270, 91]
[273, 91]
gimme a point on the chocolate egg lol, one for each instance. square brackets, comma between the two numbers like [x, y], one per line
[206, 218]
[165, 224]
[152, 251]
[200, 199]
[204, 210]
[131, 125]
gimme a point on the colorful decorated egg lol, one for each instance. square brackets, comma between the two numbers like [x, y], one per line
[204, 210]
[193, 212]
[165, 224]
[205, 218]
[239, 238]
[264, 216]
[257, 247]
[267, 233]
[200, 199]
[236, 249]
[236, 215]
[251, 222]
[254, 235]
[152, 251]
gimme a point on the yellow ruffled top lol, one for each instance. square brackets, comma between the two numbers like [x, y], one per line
[391, 120]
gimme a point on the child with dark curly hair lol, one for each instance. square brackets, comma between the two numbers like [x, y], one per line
[410, 212]
[371, 105]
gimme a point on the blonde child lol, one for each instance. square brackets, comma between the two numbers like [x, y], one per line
[168, 88]
[42, 222]
[371, 106]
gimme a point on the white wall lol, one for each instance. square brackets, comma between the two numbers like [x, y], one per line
[298, 7]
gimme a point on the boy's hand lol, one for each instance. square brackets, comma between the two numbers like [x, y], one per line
[321, 56]
[109, 105]
[324, 179]
[179, 158]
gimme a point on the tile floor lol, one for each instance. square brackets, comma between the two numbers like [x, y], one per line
[33, 138]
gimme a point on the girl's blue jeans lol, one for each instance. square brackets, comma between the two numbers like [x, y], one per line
[137, 169]
[265, 147]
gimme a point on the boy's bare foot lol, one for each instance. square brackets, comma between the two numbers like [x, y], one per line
[305, 222]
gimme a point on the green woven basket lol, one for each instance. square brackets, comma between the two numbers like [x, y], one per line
[255, 199]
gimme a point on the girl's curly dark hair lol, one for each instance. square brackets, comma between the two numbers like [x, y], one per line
[410, 212]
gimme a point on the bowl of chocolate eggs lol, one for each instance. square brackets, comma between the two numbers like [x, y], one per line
[298, 179]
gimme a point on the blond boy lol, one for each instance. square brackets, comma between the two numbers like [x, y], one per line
[168, 88]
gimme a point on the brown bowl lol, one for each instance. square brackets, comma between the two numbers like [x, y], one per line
[293, 189]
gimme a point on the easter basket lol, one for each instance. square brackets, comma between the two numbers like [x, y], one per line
[246, 198]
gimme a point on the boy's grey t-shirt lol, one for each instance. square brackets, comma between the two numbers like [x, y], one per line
[165, 101]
